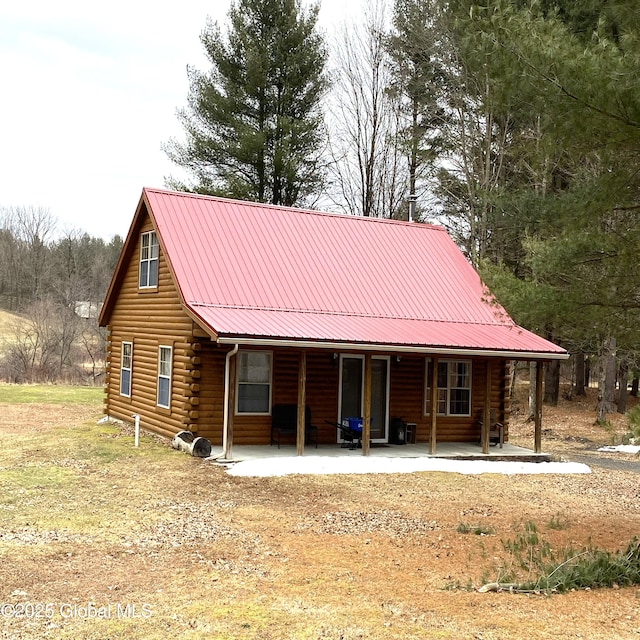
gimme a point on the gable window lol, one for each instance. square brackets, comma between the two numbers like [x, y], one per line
[126, 362]
[254, 382]
[165, 356]
[454, 387]
[148, 260]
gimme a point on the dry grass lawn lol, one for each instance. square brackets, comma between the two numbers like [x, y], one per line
[90, 525]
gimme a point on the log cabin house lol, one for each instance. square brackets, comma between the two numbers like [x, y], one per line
[219, 310]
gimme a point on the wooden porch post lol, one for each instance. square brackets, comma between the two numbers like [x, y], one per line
[228, 450]
[433, 405]
[537, 437]
[302, 402]
[366, 417]
[486, 412]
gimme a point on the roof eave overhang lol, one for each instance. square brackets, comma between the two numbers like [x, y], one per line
[420, 349]
[205, 326]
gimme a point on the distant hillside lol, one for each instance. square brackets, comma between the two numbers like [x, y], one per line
[7, 322]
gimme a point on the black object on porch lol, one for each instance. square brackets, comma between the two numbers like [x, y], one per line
[351, 438]
[398, 431]
[496, 429]
[284, 422]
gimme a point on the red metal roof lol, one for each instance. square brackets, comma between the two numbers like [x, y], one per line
[261, 272]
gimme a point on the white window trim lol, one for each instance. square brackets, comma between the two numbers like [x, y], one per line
[427, 387]
[149, 260]
[164, 377]
[238, 383]
[129, 368]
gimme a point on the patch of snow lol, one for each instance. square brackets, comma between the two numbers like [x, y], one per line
[320, 465]
[622, 448]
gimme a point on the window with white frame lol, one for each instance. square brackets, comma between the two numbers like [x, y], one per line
[148, 260]
[254, 382]
[454, 387]
[126, 362]
[165, 356]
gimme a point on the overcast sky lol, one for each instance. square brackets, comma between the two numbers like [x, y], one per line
[89, 94]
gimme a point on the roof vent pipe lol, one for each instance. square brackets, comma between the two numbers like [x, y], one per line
[412, 206]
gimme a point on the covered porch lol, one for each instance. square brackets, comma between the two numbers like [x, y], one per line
[314, 382]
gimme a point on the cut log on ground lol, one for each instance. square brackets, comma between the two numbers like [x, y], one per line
[187, 442]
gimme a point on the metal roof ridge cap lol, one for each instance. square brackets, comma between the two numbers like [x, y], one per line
[277, 207]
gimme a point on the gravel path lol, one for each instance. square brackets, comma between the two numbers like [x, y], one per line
[608, 463]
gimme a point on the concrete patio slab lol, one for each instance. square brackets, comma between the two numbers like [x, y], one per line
[447, 450]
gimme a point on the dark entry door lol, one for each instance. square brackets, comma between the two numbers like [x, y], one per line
[352, 388]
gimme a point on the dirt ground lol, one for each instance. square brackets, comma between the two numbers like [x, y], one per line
[150, 543]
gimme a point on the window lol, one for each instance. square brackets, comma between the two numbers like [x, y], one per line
[148, 260]
[126, 361]
[454, 387]
[254, 382]
[164, 376]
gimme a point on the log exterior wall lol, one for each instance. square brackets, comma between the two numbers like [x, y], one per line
[153, 318]
[408, 399]
[150, 319]
[407, 396]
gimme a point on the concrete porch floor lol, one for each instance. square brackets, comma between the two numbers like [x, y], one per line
[453, 450]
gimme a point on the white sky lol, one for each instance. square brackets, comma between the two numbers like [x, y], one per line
[89, 94]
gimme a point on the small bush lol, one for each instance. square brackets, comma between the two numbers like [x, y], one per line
[557, 523]
[478, 530]
[536, 567]
[633, 416]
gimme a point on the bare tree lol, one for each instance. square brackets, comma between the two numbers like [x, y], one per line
[41, 349]
[367, 169]
[25, 234]
[56, 283]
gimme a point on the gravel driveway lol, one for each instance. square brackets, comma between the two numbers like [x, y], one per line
[608, 463]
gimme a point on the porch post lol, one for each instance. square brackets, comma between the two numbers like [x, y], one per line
[302, 402]
[486, 412]
[230, 408]
[433, 405]
[366, 417]
[537, 437]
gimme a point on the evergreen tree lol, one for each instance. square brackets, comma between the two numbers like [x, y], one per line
[574, 66]
[253, 124]
[417, 47]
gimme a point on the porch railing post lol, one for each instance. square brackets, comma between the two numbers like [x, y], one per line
[302, 402]
[537, 433]
[486, 413]
[433, 405]
[230, 408]
[366, 417]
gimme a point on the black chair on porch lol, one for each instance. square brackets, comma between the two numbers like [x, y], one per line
[284, 422]
[496, 429]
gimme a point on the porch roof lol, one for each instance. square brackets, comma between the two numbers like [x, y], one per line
[255, 273]
[247, 326]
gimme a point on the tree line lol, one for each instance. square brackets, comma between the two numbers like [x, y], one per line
[55, 282]
[514, 123]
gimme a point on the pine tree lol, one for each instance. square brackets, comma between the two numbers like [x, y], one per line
[253, 124]
[575, 66]
[417, 49]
